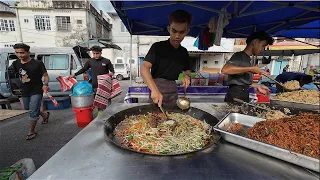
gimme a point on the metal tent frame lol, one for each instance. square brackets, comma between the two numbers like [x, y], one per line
[275, 16]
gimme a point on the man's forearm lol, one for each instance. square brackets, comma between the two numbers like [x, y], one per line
[80, 72]
[187, 72]
[255, 85]
[230, 69]
[46, 80]
[147, 78]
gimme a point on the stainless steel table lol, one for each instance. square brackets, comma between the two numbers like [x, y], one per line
[89, 156]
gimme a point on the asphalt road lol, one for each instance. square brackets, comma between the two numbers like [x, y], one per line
[51, 137]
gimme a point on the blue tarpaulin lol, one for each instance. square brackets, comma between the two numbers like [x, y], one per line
[309, 30]
[151, 17]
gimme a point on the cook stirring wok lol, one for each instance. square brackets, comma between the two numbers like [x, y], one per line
[166, 60]
[240, 70]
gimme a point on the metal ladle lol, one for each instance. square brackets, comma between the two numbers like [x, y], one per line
[183, 102]
[169, 121]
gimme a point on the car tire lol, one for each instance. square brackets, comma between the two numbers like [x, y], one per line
[119, 77]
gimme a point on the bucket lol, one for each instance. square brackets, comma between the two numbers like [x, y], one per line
[82, 101]
[83, 116]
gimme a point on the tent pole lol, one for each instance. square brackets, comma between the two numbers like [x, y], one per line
[143, 32]
[130, 59]
[148, 25]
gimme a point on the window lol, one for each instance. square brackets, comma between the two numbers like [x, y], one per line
[26, 20]
[123, 28]
[73, 63]
[131, 61]
[7, 25]
[119, 66]
[216, 62]
[79, 22]
[42, 23]
[119, 61]
[56, 62]
[63, 23]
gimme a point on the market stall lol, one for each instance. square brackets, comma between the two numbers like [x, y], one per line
[195, 93]
[89, 156]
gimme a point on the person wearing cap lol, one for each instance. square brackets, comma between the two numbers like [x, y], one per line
[240, 69]
[166, 60]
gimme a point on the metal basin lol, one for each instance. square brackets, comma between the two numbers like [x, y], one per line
[82, 101]
[114, 120]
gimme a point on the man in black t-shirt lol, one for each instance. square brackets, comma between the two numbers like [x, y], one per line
[30, 73]
[166, 60]
[98, 64]
[240, 70]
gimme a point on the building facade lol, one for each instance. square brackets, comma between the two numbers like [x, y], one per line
[47, 23]
[9, 27]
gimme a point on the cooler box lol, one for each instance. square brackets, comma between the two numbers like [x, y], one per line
[64, 103]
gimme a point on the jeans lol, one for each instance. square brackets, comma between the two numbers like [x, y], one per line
[33, 103]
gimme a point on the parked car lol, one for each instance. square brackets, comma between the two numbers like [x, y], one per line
[62, 61]
[121, 71]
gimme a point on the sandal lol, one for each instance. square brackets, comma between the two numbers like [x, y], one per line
[31, 136]
[45, 121]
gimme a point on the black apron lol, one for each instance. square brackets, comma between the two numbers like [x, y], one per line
[169, 91]
[236, 91]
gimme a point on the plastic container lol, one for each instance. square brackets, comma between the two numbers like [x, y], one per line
[64, 103]
[262, 98]
[83, 116]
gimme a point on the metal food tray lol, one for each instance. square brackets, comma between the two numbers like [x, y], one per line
[292, 104]
[268, 149]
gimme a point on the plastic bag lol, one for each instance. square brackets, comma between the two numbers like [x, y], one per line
[20, 170]
[82, 88]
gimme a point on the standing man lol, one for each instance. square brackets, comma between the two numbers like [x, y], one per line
[98, 64]
[240, 70]
[31, 72]
[285, 69]
[166, 60]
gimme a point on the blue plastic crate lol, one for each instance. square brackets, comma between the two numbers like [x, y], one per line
[64, 103]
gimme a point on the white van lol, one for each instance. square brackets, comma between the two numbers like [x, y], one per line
[59, 61]
[121, 71]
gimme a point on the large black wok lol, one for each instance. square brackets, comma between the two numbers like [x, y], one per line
[114, 120]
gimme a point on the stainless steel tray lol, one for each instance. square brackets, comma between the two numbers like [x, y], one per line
[292, 104]
[274, 151]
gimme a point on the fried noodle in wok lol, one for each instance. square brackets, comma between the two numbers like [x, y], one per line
[150, 133]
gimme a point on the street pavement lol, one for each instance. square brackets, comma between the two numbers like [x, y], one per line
[51, 137]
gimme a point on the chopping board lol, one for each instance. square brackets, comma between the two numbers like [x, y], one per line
[6, 114]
